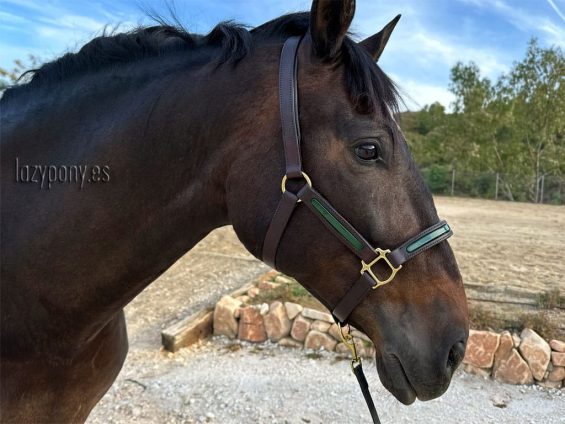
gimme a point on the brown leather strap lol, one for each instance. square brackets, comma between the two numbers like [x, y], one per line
[360, 247]
[353, 297]
[288, 98]
[401, 254]
[277, 226]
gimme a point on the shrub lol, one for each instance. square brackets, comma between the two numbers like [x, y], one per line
[540, 323]
[550, 299]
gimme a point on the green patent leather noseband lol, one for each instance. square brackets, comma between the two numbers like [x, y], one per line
[427, 238]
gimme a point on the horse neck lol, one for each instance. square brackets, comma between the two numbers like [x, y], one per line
[169, 144]
[192, 132]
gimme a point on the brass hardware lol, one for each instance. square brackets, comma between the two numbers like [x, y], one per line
[306, 177]
[381, 256]
[347, 339]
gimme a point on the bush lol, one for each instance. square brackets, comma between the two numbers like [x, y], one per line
[438, 178]
[483, 319]
[540, 323]
[551, 299]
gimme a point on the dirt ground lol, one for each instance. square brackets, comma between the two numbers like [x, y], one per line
[508, 249]
[503, 245]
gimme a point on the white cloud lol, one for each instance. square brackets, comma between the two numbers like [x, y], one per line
[432, 49]
[417, 45]
[10, 18]
[51, 29]
[554, 7]
[525, 20]
[417, 94]
[73, 21]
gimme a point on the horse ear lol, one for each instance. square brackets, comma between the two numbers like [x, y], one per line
[329, 22]
[375, 44]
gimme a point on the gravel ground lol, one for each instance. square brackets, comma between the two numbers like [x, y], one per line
[226, 382]
[268, 384]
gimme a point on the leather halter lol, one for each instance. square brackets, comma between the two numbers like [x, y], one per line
[337, 224]
[314, 201]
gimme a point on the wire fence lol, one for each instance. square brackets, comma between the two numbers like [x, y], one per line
[548, 189]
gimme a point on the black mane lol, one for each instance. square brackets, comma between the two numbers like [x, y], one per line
[368, 84]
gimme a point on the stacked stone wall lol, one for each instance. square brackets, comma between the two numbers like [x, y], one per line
[524, 358]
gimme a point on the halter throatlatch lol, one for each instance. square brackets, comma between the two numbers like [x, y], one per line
[334, 222]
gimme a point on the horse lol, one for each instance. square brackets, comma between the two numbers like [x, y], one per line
[118, 159]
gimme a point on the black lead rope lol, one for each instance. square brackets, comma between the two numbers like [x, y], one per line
[358, 371]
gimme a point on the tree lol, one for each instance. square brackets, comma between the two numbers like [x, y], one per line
[514, 127]
[535, 94]
[472, 93]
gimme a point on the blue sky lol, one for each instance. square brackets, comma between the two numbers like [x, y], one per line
[429, 39]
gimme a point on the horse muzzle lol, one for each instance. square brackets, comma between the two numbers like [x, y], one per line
[419, 373]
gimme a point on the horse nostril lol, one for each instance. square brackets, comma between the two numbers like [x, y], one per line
[455, 356]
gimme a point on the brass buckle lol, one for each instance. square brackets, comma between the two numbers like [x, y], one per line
[381, 256]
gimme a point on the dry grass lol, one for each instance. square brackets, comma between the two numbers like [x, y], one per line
[541, 323]
[481, 318]
[551, 299]
[288, 292]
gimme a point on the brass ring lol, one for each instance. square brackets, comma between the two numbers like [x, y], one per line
[306, 177]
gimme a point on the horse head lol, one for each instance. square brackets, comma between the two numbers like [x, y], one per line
[354, 155]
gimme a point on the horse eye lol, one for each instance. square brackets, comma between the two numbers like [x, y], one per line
[367, 151]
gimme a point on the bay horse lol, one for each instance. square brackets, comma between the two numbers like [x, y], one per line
[118, 159]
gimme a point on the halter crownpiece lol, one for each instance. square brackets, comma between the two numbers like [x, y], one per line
[337, 224]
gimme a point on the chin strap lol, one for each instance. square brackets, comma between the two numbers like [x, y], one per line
[357, 368]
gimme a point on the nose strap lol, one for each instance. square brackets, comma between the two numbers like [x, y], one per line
[416, 245]
[423, 241]
[351, 238]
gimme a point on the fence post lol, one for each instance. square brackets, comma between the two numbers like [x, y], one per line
[452, 181]
[496, 189]
[542, 184]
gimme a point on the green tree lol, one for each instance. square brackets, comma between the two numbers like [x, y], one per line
[472, 93]
[534, 93]
[514, 128]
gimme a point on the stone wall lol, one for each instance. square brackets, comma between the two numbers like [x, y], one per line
[286, 323]
[515, 359]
